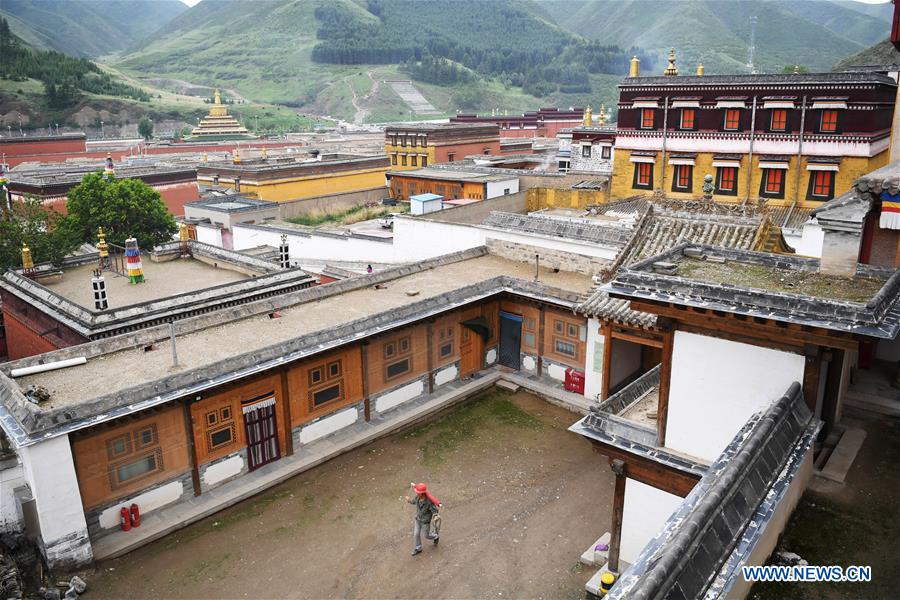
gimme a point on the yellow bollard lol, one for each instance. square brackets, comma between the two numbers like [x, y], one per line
[606, 582]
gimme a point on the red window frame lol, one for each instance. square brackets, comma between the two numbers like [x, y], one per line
[774, 181]
[779, 119]
[727, 177]
[688, 118]
[829, 121]
[732, 119]
[822, 181]
[645, 171]
[647, 118]
[683, 176]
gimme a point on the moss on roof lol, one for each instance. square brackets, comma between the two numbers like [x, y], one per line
[788, 281]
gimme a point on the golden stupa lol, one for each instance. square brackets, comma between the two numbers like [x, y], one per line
[219, 125]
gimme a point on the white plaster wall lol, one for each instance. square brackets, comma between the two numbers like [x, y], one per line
[399, 396]
[209, 235]
[645, 511]
[495, 188]
[716, 385]
[50, 473]
[529, 363]
[10, 479]
[446, 375]
[810, 240]
[626, 359]
[147, 502]
[224, 469]
[329, 425]
[556, 372]
[317, 247]
[593, 366]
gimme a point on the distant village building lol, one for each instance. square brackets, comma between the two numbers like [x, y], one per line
[295, 176]
[450, 184]
[219, 125]
[420, 145]
[546, 122]
[796, 139]
[13, 148]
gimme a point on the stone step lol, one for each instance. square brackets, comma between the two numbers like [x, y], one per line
[843, 455]
[871, 402]
[595, 558]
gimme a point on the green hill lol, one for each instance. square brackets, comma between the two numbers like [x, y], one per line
[87, 27]
[882, 53]
[813, 33]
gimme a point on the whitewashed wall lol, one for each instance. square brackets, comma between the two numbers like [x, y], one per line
[626, 359]
[10, 479]
[645, 511]
[495, 188]
[716, 385]
[317, 247]
[209, 235]
[593, 366]
[809, 241]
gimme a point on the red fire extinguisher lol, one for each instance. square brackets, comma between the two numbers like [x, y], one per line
[125, 519]
[135, 516]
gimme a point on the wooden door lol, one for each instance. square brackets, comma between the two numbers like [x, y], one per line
[470, 351]
[262, 432]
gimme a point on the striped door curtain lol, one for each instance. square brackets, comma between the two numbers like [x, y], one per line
[262, 432]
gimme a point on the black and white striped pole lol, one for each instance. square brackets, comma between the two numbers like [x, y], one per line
[284, 258]
[99, 285]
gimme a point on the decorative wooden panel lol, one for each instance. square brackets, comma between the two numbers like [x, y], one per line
[324, 384]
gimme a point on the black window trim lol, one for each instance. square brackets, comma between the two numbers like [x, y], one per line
[690, 185]
[765, 177]
[634, 181]
[719, 190]
[812, 184]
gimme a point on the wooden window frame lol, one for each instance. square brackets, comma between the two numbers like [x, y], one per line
[111, 455]
[644, 120]
[387, 367]
[831, 125]
[585, 151]
[331, 365]
[139, 445]
[394, 159]
[764, 184]
[445, 350]
[113, 468]
[402, 160]
[311, 373]
[313, 406]
[556, 350]
[212, 418]
[691, 125]
[605, 151]
[814, 186]
[734, 183]
[783, 122]
[212, 446]
[730, 124]
[679, 176]
[636, 183]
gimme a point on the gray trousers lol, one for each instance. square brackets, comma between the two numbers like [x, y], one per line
[417, 535]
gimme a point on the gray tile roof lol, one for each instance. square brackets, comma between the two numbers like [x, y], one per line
[580, 230]
[761, 79]
[701, 547]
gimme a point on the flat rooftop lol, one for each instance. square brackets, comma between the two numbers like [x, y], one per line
[448, 175]
[161, 280]
[115, 372]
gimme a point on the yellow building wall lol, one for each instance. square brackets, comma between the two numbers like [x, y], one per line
[319, 185]
[541, 198]
[851, 168]
[428, 151]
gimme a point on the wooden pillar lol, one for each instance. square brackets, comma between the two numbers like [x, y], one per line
[811, 371]
[540, 342]
[286, 412]
[364, 367]
[665, 378]
[615, 541]
[429, 357]
[606, 331]
[189, 443]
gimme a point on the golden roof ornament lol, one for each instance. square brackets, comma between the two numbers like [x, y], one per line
[101, 243]
[237, 156]
[700, 70]
[264, 155]
[601, 118]
[183, 234]
[27, 262]
[217, 97]
[588, 117]
[796, 69]
[635, 68]
[671, 70]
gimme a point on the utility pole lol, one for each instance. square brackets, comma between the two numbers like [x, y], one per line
[752, 48]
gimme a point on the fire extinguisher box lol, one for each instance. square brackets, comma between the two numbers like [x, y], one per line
[574, 381]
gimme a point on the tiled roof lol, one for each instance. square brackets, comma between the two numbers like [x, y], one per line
[600, 305]
[702, 546]
[763, 79]
[600, 233]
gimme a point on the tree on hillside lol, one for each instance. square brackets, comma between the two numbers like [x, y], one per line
[123, 207]
[145, 128]
[34, 225]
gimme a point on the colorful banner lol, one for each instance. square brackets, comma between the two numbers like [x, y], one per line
[890, 211]
[133, 261]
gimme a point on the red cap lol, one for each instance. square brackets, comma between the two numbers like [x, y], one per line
[421, 488]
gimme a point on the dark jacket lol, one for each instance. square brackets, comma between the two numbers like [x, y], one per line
[425, 508]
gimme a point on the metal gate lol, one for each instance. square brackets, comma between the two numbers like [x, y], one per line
[510, 340]
[262, 433]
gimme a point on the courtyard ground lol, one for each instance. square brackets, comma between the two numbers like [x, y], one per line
[522, 499]
[854, 523]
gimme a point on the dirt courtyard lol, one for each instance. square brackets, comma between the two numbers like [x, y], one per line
[522, 499]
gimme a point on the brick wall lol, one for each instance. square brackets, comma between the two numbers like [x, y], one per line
[550, 259]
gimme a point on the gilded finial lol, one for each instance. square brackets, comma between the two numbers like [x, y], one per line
[27, 262]
[101, 243]
[700, 70]
[635, 69]
[237, 156]
[588, 117]
[217, 97]
[601, 118]
[205, 157]
[264, 155]
[796, 69]
[183, 232]
[671, 70]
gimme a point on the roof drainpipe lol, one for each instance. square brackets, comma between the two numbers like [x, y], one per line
[799, 155]
[662, 184]
[750, 153]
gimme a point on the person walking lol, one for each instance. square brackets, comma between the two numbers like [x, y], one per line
[427, 507]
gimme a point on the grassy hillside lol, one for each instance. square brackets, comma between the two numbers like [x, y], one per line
[87, 27]
[882, 53]
[331, 57]
[815, 34]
